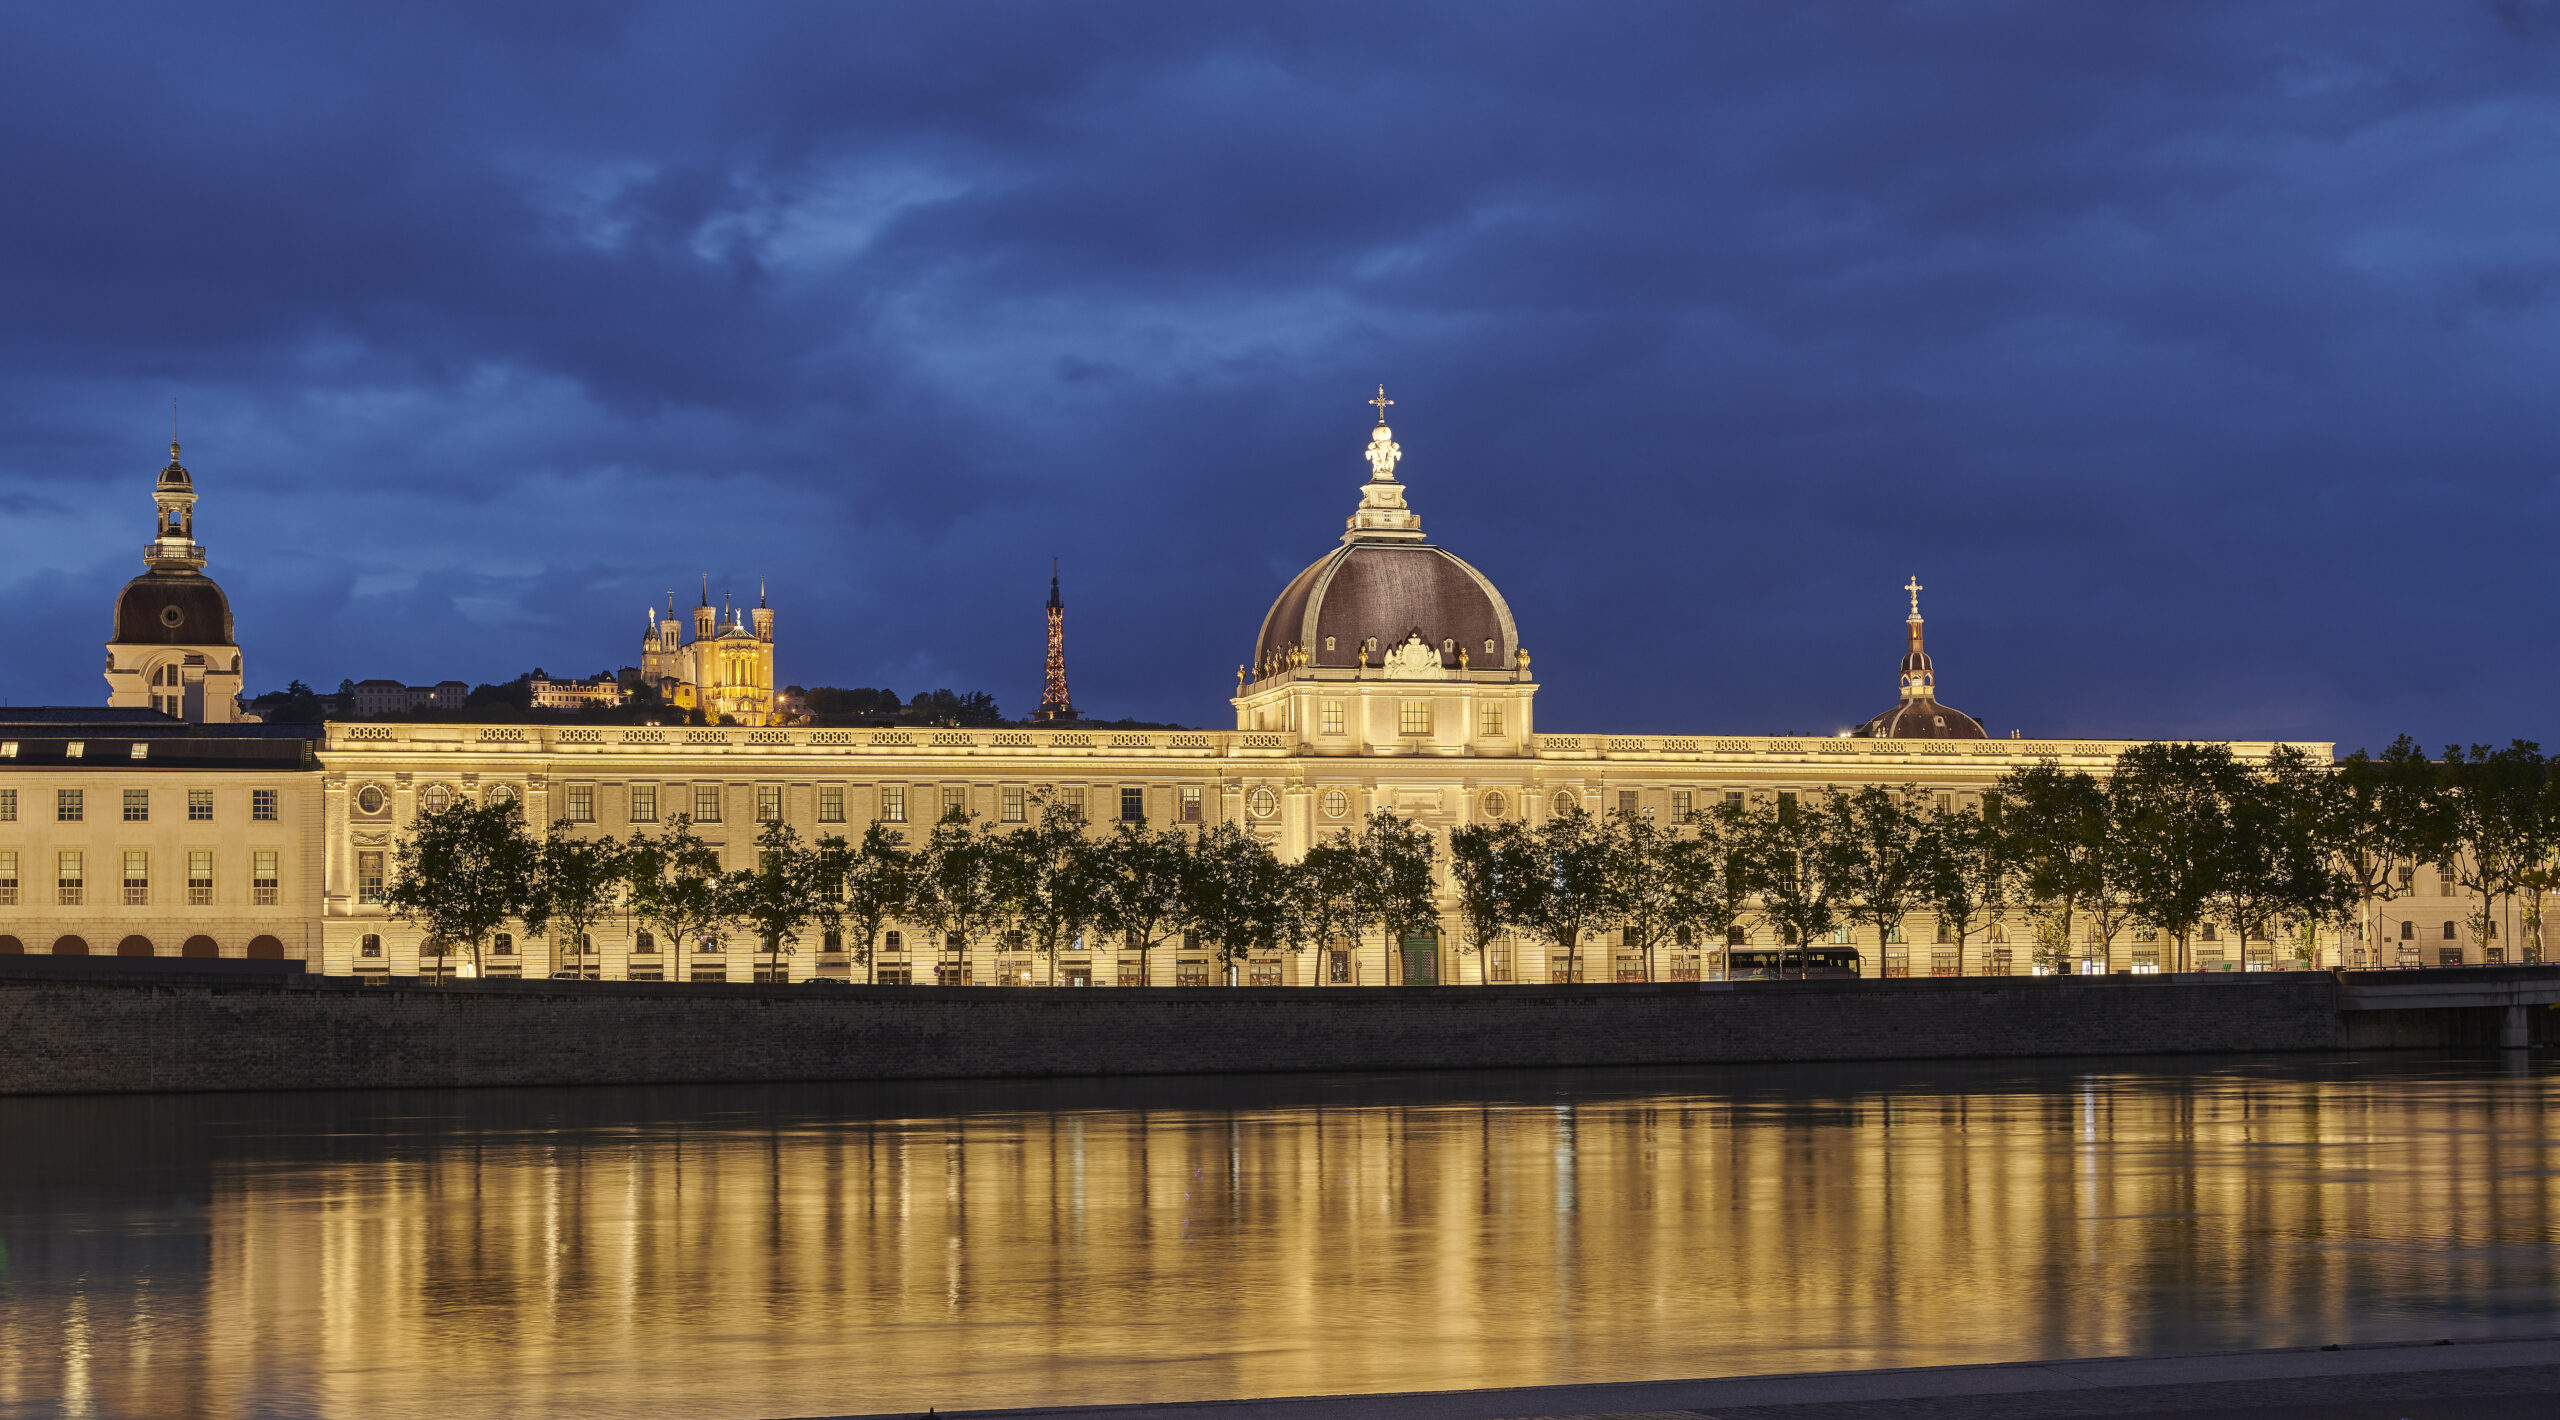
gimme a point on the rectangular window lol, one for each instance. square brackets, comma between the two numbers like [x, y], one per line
[67, 806]
[70, 885]
[954, 797]
[199, 806]
[137, 806]
[262, 877]
[369, 879]
[137, 878]
[8, 879]
[893, 803]
[1488, 719]
[1011, 805]
[8, 806]
[262, 805]
[582, 803]
[1332, 717]
[1626, 801]
[1733, 798]
[768, 803]
[1133, 805]
[831, 803]
[2444, 880]
[1413, 717]
[644, 803]
[1681, 812]
[1190, 803]
[200, 878]
[706, 803]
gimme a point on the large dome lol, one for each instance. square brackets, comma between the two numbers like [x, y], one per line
[1379, 594]
[1385, 587]
[173, 609]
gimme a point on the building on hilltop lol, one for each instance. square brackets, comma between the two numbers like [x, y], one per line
[1055, 702]
[391, 697]
[171, 648]
[550, 694]
[1919, 716]
[725, 673]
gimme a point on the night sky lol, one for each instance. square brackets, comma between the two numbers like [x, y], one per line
[2198, 358]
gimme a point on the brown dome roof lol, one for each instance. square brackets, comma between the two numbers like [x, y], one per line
[173, 609]
[1390, 591]
[1922, 719]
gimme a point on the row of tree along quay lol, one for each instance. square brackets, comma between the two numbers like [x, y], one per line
[2175, 840]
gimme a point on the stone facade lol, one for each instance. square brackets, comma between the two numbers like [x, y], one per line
[62, 1035]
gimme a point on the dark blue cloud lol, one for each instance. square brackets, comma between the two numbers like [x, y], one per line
[2195, 356]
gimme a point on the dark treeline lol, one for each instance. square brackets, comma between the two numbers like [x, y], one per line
[2178, 839]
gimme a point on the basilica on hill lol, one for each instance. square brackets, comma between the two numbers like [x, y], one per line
[1390, 674]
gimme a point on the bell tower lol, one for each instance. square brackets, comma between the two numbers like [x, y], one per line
[171, 648]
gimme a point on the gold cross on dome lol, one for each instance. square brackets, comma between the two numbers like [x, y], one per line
[1913, 587]
[1382, 402]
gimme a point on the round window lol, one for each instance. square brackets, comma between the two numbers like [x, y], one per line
[1336, 803]
[370, 799]
[170, 616]
[1564, 801]
[434, 798]
[501, 793]
[1494, 803]
[1262, 803]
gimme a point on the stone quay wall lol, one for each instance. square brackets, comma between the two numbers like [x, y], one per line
[69, 1032]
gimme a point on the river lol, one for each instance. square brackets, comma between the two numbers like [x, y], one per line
[806, 1250]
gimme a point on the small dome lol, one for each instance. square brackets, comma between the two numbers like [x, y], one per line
[172, 609]
[1390, 591]
[175, 474]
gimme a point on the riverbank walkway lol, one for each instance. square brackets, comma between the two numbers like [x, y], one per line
[2469, 1380]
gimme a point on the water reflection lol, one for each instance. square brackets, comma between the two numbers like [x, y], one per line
[792, 1251]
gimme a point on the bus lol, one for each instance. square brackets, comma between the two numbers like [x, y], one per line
[1788, 964]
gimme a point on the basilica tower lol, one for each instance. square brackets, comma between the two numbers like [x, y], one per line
[171, 648]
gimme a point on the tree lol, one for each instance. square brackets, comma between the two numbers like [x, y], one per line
[673, 884]
[2539, 874]
[2381, 816]
[1961, 877]
[2299, 875]
[466, 870]
[1568, 894]
[1882, 870]
[581, 881]
[2491, 796]
[1326, 888]
[1046, 878]
[779, 894]
[1396, 880]
[1235, 894]
[955, 887]
[2064, 846]
[1140, 900]
[1488, 863]
[865, 886]
[1702, 895]
[1794, 861]
[2175, 828]
[1644, 866]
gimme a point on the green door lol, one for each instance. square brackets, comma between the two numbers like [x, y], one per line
[1422, 959]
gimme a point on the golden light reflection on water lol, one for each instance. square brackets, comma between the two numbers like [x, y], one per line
[808, 1251]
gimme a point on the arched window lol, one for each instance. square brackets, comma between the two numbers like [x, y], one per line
[645, 942]
[893, 943]
[831, 941]
[1685, 937]
[505, 946]
[2408, 931]
[372, 946]
[1999, 935]
[2207, 934]
[2448, 931]
[1737, 937]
